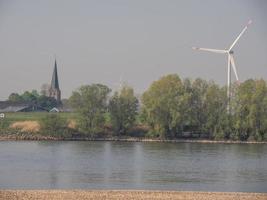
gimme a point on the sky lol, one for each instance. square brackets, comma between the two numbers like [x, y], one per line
[131, 41]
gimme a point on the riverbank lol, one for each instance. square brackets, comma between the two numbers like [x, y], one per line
[125, 194]
[37, 137]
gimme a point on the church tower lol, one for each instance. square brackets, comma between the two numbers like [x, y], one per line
[54, 90]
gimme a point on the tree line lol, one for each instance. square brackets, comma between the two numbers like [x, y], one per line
[34, 97]
[169, 108]
[173, 108]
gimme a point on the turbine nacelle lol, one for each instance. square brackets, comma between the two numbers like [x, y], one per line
[231, 52]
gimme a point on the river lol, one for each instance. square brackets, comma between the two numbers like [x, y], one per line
[133, 165]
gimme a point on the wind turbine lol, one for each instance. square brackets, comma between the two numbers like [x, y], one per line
[120, 83]
[230, 60]
[118, 86]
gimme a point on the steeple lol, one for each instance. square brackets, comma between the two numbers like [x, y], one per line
[54, 82]
[54, 90]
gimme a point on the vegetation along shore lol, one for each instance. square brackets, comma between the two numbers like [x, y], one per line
[39, 137]
[171, 109]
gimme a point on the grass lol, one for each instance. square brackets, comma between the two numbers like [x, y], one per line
[30, 120]
[34, 116]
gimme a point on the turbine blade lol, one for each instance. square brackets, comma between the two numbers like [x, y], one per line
[234, 67]
[210, 50]
[239, 36]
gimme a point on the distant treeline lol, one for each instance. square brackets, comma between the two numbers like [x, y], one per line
[173, 108]
[170, 108]
[34, 97]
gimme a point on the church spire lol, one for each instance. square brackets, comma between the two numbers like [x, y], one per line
[54, 89]
[54, 82]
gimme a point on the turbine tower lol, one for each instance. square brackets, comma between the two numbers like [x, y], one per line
[118, 86]
[230, 61]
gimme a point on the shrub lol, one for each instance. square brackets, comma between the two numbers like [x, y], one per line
[3, 124]
[54, 125]
[219, 135]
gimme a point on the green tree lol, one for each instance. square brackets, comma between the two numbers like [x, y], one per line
[90, 101]
[29, 96]
[34, 97]
[215, 112]
[199, 115]
[162, 104]
[35, 93]
[250, 110]
[123, 107]
[204, 107]
[15, 97]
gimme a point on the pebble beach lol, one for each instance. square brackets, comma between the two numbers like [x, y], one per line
[125, 194]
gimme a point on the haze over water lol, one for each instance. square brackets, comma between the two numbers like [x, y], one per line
[133, 165]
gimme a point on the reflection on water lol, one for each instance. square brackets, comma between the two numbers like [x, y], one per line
[133, 165]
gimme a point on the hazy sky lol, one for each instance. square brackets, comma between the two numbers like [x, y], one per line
[100, 40]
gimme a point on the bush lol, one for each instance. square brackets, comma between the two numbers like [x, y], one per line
[152, 134]
[258, 137]
[54, 125]
[219, 135]
[234, 135]
[3, 124]
[138, 131]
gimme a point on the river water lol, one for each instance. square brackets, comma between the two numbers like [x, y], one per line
[133, 165]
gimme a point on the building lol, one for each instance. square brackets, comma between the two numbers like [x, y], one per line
[54, 110]
[54, 90]
[7, 106]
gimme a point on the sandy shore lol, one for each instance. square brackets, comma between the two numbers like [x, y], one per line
[124, 194]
